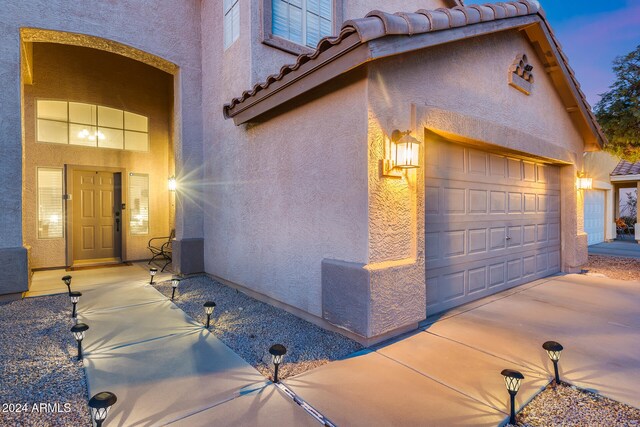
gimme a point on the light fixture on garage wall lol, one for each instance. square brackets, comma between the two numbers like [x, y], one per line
[173, 184]
[583, 182]
[402, 151]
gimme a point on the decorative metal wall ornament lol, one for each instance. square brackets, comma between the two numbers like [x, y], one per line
[520, 74]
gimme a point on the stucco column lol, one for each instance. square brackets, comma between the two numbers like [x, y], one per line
[573, 238]
[13, 256]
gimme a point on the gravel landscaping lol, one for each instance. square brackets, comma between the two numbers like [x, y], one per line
[614, 267]
[41, 383]
[566, 405]
[249, 327]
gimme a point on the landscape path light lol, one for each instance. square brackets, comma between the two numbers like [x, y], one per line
[152, 272]
[277, 354]
[75, 297]
[512, 380]
[78, 331]
[174, 284]
[209, 306]
[67, 281]
[553, 350]
[100, 404]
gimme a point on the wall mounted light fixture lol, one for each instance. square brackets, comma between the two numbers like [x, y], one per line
[173, 184]
[402, 151]
[583, 182]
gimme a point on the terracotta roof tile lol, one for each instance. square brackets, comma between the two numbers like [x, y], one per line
[626, 168]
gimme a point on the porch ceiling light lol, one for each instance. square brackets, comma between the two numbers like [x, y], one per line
[402, 151]
[67, 281]
[554, 349]
[277, 354]
[209, 306]
[100, 404]
[174, 285]
[152, 272]
[78, 331]
[583, 182]
[75, 297]
[512, 380]
[173, 184]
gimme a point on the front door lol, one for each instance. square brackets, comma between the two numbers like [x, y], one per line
[96, 217]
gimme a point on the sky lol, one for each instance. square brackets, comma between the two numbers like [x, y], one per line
[592, 33]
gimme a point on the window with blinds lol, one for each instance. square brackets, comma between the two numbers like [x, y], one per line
[138, 203]
[302, 21]
[231, 22]
[50, 204]
[88, 125]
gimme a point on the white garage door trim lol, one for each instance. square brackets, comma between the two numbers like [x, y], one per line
[492, 223]
[594, 204]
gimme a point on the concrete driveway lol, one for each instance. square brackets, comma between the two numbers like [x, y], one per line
[449, 372]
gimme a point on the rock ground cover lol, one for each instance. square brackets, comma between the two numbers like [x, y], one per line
[566, 405]
[41, 382]
[614, 267]
[249, 327]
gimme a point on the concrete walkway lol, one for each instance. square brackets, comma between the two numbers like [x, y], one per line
[621, 248]
[164, 368]
[449, 373]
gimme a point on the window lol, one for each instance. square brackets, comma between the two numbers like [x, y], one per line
[231, 21]
[303, 22]
[138, 203]
[76, 123]
[50, 204]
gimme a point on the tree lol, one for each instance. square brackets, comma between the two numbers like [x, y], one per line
[618, 111]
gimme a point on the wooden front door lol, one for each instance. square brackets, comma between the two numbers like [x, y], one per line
[96, 216]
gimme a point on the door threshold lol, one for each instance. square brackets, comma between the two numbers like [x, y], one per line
[90, 266]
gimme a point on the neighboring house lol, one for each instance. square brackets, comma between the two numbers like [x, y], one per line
[286, 184]
[612, 179]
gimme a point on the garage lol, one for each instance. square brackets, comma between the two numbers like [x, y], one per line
[492, 223]
[594, 216]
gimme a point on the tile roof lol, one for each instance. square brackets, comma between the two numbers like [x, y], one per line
[626, 168]
[378, 24]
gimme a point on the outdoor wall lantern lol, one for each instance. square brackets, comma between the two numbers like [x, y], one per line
[402, 152]
[67, 281]
[152, 272]
[277, 354]
[583, 182]
[174, 285]
[553, 350]
[209, 306]
[512, 379]
[78, 331]
[173, 184]
[75, 297]
[100, 404]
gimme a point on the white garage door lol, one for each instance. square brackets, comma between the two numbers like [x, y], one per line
[594, 216]
[492, 222]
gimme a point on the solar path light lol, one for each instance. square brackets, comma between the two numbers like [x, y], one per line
[67, 281]
[512, 380]
[100, 404]
[277, 354]
[75, 297]
[152, 272]
[553, 350]
[209, 306]
[78, 331]
[174, 284]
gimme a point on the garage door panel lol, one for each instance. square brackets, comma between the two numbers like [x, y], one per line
[492, 222]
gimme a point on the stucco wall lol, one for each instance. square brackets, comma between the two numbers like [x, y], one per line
[599, 165]
[461, 89]
[81, 74]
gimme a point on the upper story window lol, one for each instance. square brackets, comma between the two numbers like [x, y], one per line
[303, 22]
[231, 21]
[89, 125]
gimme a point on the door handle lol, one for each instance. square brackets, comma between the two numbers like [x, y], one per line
[117, 224]
[508, 238]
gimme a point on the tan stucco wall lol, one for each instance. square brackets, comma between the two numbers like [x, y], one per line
[599, 165]
[87, 75]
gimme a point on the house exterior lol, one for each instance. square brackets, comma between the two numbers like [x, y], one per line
[612, 179]
[286, 185]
